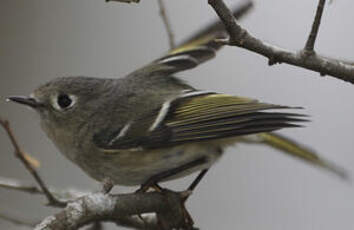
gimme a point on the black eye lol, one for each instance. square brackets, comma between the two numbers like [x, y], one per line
[64, 101]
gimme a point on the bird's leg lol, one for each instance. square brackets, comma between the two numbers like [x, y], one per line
[152, 181]
[197, 180]
[157, 187]
[145, 187]
[187, 216]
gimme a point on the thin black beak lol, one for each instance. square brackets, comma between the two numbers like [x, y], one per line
[29, 101]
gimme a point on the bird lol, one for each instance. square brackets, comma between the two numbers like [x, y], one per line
[150, 126]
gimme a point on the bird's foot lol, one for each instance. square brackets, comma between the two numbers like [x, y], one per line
[146, 186]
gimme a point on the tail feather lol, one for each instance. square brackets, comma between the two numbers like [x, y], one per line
[295, 149]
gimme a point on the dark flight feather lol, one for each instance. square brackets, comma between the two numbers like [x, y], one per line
[202, 117]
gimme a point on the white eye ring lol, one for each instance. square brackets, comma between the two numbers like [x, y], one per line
[63, 101]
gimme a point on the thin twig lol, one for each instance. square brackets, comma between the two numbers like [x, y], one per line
[18, 186]
[242, 38]
[310, 44]
[166, 21]
[17, 221]
[52, 201]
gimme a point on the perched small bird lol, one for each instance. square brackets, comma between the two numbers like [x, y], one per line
[150, 126]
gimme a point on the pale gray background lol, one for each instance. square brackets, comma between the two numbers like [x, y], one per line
[252, 188]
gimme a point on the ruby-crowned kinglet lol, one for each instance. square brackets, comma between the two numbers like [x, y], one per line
[150, 126]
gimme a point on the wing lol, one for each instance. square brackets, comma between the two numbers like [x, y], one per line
[196, 116]
[193, 51]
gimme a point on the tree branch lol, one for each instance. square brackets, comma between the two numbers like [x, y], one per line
[169, 206]
[242, 38]
[310, 44]
[52, 201]
[166, 21]
[120, 209]
[150, 221]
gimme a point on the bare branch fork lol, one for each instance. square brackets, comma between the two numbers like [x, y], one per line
[121, 209]
[102, 207]
[306, 58]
